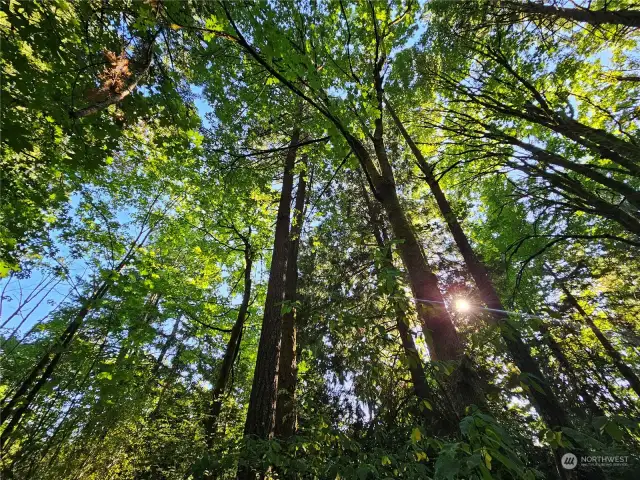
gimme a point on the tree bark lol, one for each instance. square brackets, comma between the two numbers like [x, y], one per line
[287, 378]
[629, 18]
[262, 402]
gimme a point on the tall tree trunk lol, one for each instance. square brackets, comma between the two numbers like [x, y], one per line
[440, 333]
[438, 329]
[287, 378]
[629, 18]
[231, 352]
[262, 402]
[626, 371]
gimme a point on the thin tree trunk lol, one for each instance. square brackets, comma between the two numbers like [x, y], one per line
[414, 362]
[628, 78]
[165, 348]
[287, 379]
[579, 385]
[14, 409]
[231, 352]
[262, 402]
[545, 157]
[98, 414]
[539, 391]
[629, 18]
[618, 361]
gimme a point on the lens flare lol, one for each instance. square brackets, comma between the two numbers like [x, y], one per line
[463, 305]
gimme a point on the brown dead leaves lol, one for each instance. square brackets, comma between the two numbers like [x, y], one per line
[113, 78]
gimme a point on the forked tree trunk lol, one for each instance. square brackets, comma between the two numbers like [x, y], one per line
[287, 379]
[262, 402]
[442, 338]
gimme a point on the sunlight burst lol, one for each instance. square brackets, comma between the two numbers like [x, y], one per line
[463, 305]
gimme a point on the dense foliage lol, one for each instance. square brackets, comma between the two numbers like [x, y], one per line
[320, 239]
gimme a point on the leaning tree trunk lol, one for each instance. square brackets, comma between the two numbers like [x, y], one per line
[546, 157]
[414, 362]
[13, 410]
[287, 376]
[629, 18]
[231, 352]
[438, 329]
[565, 364]
[582, 199]
[539, 391]
[606, 145]
[262, 402]
[545, 400]
[626, 371]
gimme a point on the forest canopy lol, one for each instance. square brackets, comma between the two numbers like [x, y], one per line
[320, 239]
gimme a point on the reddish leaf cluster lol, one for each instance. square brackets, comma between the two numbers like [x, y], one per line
[113, 79]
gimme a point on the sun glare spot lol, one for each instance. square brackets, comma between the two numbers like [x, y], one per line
[463, 305]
